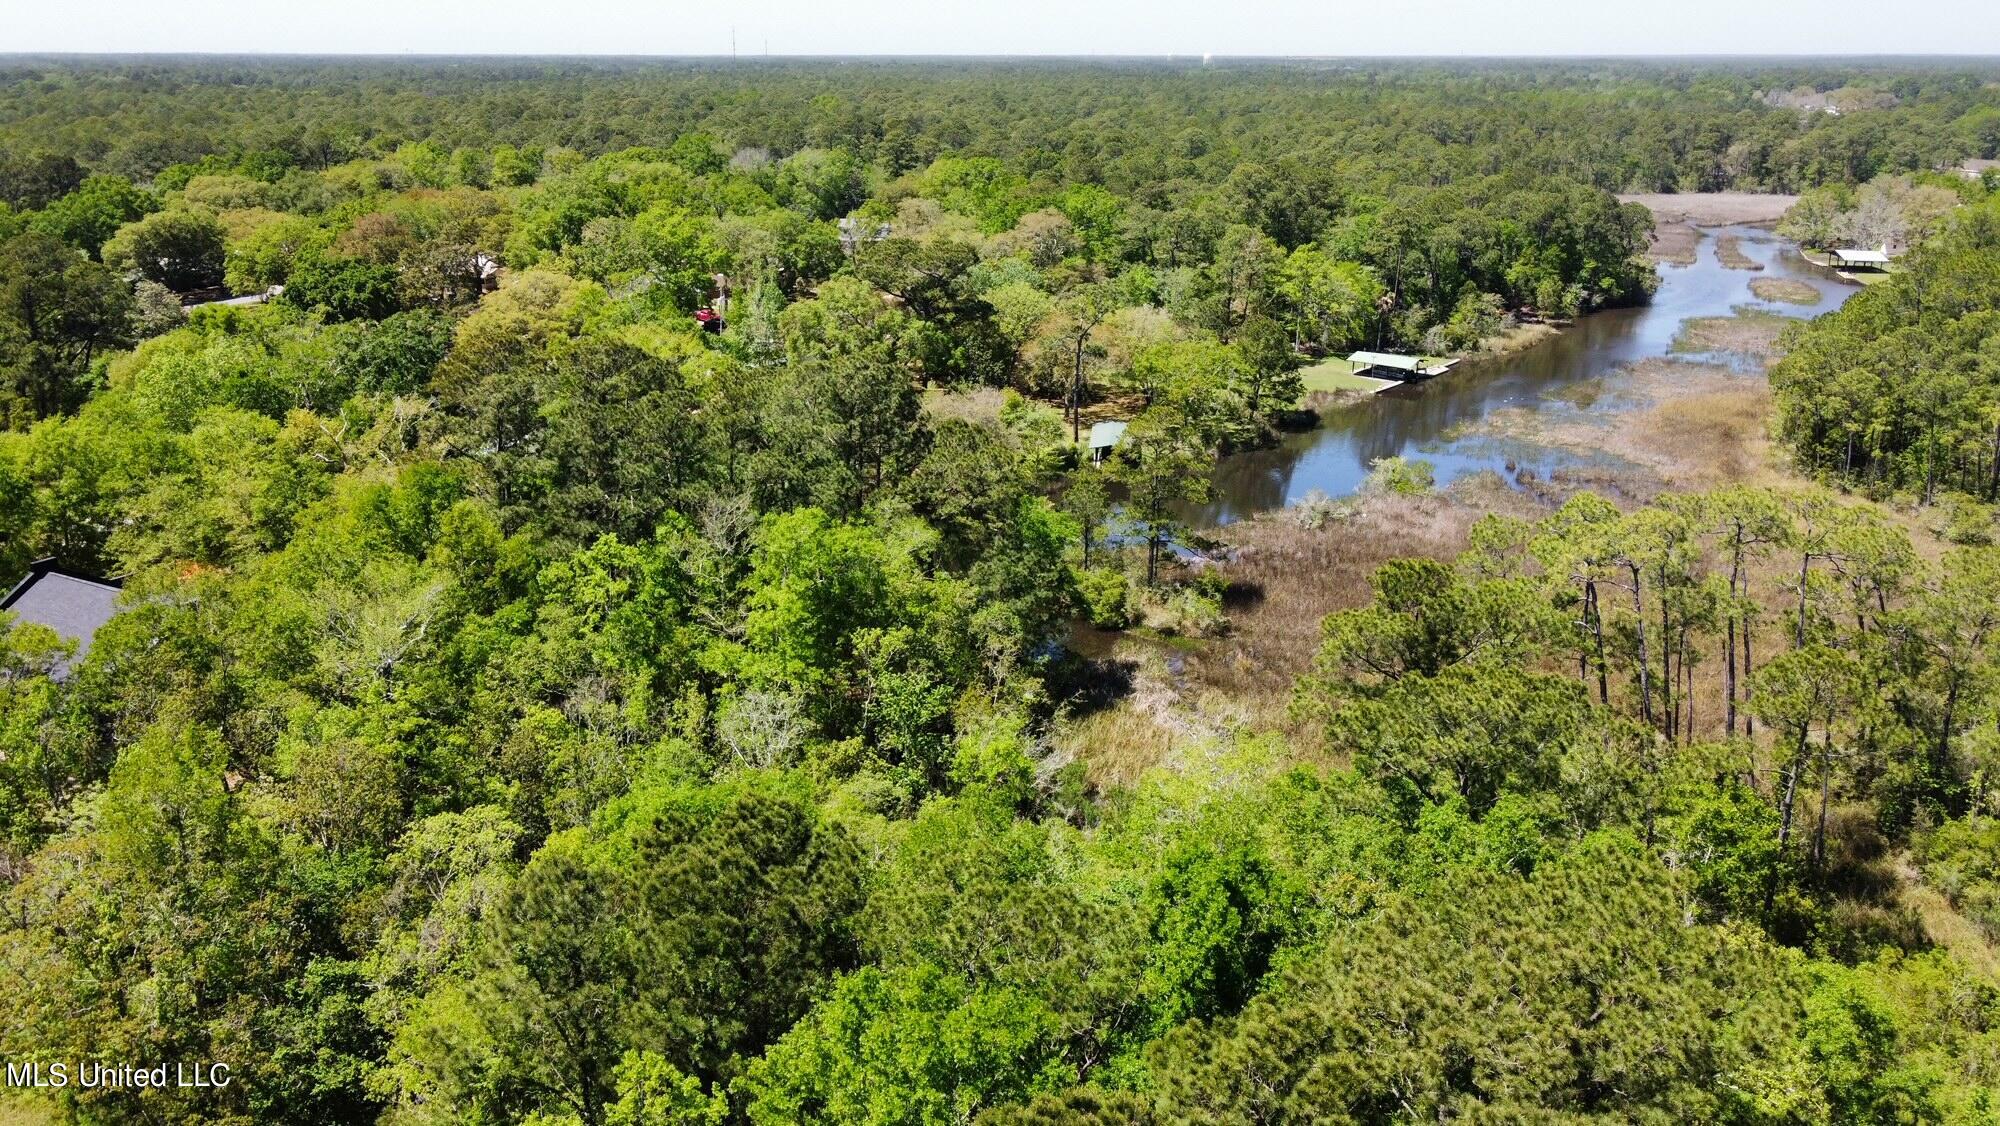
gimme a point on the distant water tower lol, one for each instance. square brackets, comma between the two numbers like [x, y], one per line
[1207, 58]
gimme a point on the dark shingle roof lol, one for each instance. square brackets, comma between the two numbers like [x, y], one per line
[71, 604]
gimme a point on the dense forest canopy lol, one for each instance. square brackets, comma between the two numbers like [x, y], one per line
[1134, 127]
[599, 601]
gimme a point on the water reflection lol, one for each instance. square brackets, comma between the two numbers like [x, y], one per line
[1418, 420]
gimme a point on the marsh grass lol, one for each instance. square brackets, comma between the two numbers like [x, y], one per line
[1749, 331]
[976, 405]
[1673, 244]
[1789, 290]
[1729, 251]
[1685, 425]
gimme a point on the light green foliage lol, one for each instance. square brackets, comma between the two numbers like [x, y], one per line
[1332, 303]
[1107, 597]
[981, 188]
[1400, 475]
[914, 1046]
[265, 256]
[1426, 619]
[1468, 733]
[998, 980]
[88, 217]
[28, 707]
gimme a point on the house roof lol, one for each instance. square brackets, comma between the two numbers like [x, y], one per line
[1104, 435]
[1861, 257]
[74, 605]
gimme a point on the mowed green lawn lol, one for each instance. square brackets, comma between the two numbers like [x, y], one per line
[1338, 375]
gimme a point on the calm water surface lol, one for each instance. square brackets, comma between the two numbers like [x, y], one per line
[1417, 420]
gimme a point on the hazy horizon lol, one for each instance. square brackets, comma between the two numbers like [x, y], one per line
[1275, 29]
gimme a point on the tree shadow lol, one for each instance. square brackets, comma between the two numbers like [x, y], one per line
[1087, 678]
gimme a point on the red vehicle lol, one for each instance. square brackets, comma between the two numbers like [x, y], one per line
[708, 319]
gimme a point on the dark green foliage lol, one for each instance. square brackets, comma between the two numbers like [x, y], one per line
[622, 447]
[395, 356]
[701, 938]
[58, 311]
[342, 289]
[1460, 1004]
[180, 249]
[29, 181]
[1896, 390]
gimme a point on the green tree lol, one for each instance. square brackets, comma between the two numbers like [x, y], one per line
[700, 940]
[181, 249]
[1447, 1002]
[87, 217]
[58, 312]
[1161, 472]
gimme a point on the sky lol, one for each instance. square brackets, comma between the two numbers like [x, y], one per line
[1007, 27]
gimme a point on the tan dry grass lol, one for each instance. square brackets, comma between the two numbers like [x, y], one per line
[1676, 217]
[1789, 290]
[1729, 251]
[1517, 339]
[1943, 924]
[1672, 244]
[977, 405]
[1713, 209]
[1155, 724]
[1286, 577]
[1190, 696]
[1749, 332]
[24, 1110]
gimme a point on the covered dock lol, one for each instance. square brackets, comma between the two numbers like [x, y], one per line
[1391, 365]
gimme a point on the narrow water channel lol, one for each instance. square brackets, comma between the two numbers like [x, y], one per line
[1419, 420]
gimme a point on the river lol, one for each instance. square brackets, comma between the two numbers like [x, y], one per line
[1419, 420]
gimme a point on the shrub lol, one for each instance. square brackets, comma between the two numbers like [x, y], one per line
[1107, 597]
[1406, 476]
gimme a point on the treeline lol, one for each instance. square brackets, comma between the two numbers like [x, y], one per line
[1899, 390]
[1619, 125]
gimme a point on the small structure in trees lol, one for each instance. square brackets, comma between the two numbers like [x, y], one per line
[853, 234]
[74, 605]
[1390, 365]
[202, 299]
[1104, 437]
